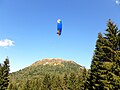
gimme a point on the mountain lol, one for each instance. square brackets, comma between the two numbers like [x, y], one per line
[51, 61]
[39, 70]
[49, 65]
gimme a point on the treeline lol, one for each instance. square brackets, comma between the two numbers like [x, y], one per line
[72, 81]
[104, 73]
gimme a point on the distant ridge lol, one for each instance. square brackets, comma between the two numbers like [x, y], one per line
[51, 61]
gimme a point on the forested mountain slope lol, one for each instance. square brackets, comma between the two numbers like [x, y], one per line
[47, 66]
[53, 67]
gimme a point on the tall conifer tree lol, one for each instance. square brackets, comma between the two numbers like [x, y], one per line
[105, 66]
[4, 74]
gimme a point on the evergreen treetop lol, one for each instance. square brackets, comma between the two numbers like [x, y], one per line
[105, 65]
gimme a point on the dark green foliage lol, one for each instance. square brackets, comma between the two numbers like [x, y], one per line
[57, 83]
[72, 82]
[4, 74]
[105, 66]
[65, 82]
[46, 84]
[84, 79]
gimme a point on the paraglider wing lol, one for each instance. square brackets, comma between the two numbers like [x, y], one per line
[59, 27]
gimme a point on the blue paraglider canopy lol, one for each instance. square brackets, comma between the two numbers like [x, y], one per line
[59, 27]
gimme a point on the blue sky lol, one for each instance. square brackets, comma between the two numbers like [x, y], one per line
[28, 29]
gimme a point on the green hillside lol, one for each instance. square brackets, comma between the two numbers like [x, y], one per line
[47, 66]
[37, 72]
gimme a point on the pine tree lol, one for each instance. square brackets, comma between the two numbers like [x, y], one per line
[65, 82]
[46, 84]
[58, 83]
[72, 82]
[105, 66]
[84, 78]
[4, 74]
[79, 81]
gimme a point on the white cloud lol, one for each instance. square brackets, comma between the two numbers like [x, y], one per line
[6, 42]
[117, 2]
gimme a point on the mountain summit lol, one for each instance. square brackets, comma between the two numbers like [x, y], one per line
[51, 61]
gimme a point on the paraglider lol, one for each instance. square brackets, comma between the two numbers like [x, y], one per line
[59, 27]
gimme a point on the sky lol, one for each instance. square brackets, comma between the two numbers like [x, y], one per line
[28, 29]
